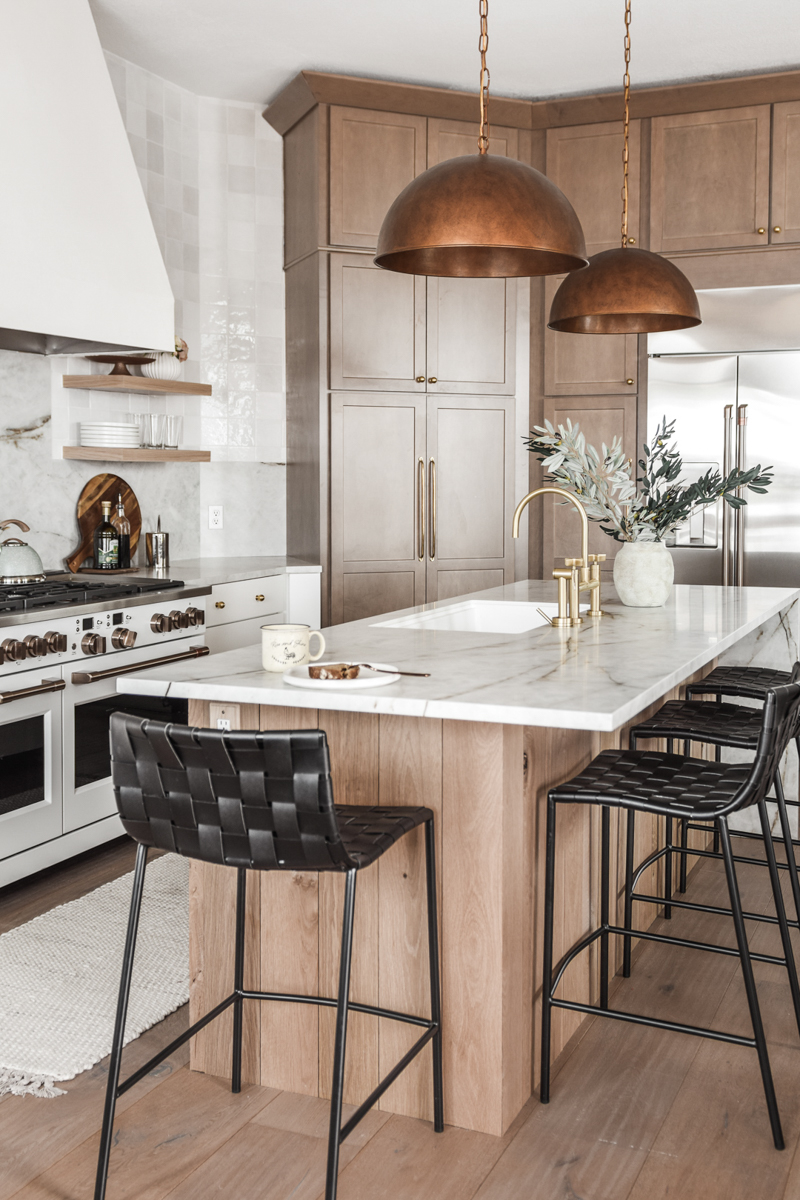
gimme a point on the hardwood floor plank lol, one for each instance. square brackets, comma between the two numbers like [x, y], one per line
[158, 1140]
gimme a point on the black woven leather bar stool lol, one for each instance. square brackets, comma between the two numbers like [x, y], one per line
[675, 786]
[263, 802]
[720, 725]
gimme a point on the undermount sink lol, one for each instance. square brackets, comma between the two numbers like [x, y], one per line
[479, 616]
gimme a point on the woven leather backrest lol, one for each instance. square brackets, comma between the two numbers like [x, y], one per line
[242, 799]
[780, 724]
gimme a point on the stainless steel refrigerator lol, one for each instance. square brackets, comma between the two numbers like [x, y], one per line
[733, 387]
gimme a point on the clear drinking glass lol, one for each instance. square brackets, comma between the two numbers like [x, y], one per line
[173, 432]
[153, 430]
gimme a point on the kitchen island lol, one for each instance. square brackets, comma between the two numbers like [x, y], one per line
[502, 718]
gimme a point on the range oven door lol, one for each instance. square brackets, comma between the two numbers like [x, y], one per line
[31, 795]
[88, 795]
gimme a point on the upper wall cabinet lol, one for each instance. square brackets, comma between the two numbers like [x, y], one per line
[580, 364]
[785, 217]
[471, 325]
[373, 156]
[585, 162]
[451, 139]
[710, 180]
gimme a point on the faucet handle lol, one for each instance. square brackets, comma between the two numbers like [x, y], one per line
[597, 558]
[574, 562]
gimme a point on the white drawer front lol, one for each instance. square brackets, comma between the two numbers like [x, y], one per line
[245, 599]
[242, 633]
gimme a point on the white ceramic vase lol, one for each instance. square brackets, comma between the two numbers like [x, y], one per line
[643, 574]
[163, 366]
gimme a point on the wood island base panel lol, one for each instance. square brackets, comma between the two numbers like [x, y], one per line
[487, 784]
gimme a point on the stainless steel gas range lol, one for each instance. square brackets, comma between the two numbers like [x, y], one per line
[63, 644]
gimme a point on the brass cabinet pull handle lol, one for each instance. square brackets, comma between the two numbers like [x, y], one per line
[776, 229]
[47, 685]
[420, 379]
[432, 491]
[629, 382]
[421, 509]
[761, 229]
[432, 379]
[94, 676]
[220, 604]
[259, 598]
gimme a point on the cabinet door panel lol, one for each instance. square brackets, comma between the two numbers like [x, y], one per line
[373, 156]
[376, 445]
[377, 326]
[577, 364]
[471, 335]
[470, 448]
[601, 419]
[451, 139]
[710, 179]
[786, 172]
[585, 161]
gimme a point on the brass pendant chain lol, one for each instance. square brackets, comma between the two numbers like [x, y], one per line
[483, 46]
[626, 84]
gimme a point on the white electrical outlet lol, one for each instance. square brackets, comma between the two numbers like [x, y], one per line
[215, 516]
[223, 724]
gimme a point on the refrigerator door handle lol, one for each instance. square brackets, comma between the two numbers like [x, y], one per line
[741, 459]
[725, 514]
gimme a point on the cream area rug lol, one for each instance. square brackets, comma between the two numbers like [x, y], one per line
[59, 977]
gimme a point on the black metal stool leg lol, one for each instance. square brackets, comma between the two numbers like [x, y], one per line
[433, 965]
[684, 836]
[668, 854]
[119, 1024]
[717, 758]
[750, 984]
[547, 964]
[604, 889]
[788, 844]
[630, 839]
[780, 910]
[337, 1088]
[238, 979]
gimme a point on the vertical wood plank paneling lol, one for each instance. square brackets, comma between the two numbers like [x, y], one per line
[289, 936]
[517, 915]
[410, 775]
[354, 741]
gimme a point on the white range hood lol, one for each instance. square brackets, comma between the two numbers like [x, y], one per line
[80, 265]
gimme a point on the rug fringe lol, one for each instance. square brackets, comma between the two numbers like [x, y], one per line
[18, 1083]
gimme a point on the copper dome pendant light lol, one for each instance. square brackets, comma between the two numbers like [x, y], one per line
[625, 290]
[481, 215]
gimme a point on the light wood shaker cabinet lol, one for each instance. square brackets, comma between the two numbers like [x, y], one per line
[710, 179]
[785, 215]
[421, 499]
[451, 139]
[373, 155]
[585, 161]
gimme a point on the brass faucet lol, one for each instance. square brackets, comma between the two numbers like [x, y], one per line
[579, 574]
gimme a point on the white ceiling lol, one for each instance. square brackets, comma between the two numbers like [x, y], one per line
[249, 49]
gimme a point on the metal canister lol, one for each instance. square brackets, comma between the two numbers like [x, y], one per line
[157, 545]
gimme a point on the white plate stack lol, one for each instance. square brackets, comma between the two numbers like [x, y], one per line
[123, 434]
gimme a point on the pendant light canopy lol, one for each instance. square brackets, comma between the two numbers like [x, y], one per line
[481, 215]
[625, 290]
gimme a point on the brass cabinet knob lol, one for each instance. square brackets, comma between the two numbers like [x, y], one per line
[432, 379]
[631, 241]
[420, 379]
[630, 382]
[220, 604]
[259, 598]
[761, 229]
[776, 229]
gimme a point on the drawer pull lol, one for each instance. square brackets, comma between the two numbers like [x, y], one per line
[259, 598]
[47, 685]
[220, 604]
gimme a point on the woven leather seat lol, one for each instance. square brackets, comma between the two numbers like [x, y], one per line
[753, 682]
[658, 783]
[260, 801]
[694, 720]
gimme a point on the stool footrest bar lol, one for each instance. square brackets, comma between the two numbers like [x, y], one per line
[327, 1002]
[173, 1046]
[692, 945]
[385, 1083]
[765, 918]
[655, 1022]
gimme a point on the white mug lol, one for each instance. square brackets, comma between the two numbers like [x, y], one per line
[285, 646]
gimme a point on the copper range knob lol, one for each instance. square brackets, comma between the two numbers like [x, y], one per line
[178, 619]
[93, 643]
[36, 646]
[196, 616]
[14, 651]
[56, 642]
[123, 639]
[160, 623]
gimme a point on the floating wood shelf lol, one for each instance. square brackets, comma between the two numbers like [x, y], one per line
[137, 384]
[142, 454]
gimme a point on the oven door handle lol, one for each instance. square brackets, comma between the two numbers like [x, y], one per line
[47, 685]
[95, 676]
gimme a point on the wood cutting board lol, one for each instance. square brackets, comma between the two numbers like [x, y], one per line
[90, 514]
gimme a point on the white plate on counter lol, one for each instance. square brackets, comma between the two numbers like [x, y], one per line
[299, 677]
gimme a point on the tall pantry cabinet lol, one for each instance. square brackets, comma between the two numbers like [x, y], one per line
[401, 390]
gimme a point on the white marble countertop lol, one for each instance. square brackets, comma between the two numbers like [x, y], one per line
[595, 678]
[205, 572]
